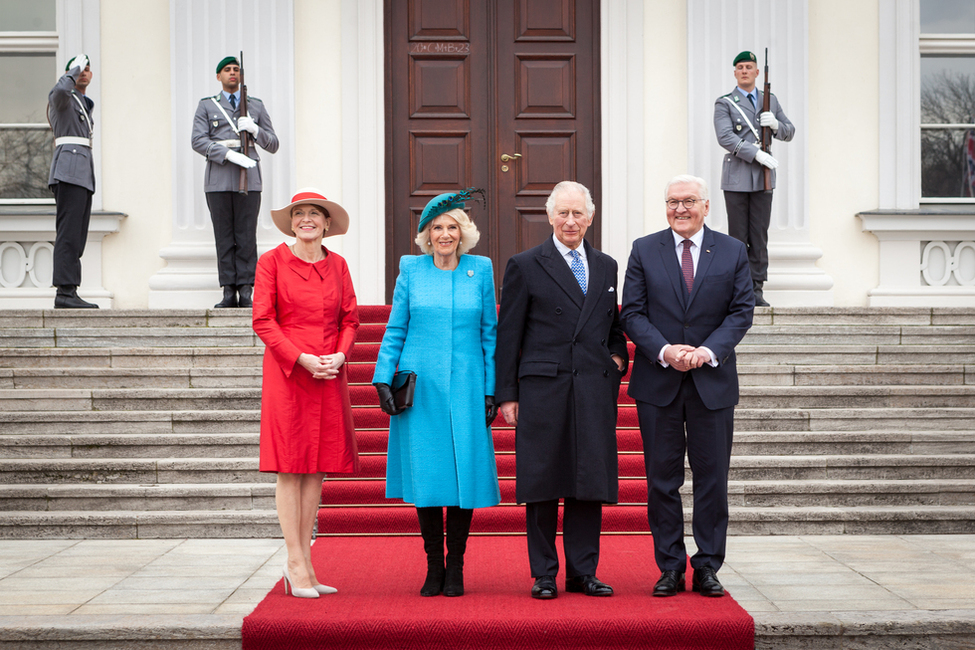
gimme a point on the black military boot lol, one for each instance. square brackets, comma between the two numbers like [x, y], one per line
[759, 298]
[229, 297]
[431, 529]
[246, 296]
[458, 529]
[67, 298]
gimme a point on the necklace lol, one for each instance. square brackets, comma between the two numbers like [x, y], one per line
[295, 253]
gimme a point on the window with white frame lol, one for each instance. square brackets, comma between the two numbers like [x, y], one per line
[947, 47]
[28, 49]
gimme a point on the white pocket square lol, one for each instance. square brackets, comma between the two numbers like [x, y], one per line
[611, 289]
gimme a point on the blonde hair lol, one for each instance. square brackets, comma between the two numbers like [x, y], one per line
[469, 235]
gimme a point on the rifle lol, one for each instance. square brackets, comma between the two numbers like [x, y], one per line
[766, 131]
[244, 135]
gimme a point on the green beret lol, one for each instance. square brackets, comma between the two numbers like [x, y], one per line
[745, 56]
[445, 203]
[225, 61]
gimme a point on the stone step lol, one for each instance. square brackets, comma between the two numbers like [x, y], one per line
[221, 335]
[134, 445]
[851, 375]
[112, 356]
[751, 397]
[243, 445]
[132, 470]
[260, 496]
[361, 374]
[832, 316]
[135, 497]
[97, 378]
[163, 524]
[230, 470]
[371, 418]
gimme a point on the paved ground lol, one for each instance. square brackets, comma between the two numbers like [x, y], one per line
[199, 583]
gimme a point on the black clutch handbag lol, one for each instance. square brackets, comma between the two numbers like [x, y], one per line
[403, 387]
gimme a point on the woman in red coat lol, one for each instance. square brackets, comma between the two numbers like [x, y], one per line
[305, 312]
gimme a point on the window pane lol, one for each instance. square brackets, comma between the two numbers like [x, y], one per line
[33, 76]
[25, 160]
[948, 90]
[27, 16]
[947, 162]
[947, 16]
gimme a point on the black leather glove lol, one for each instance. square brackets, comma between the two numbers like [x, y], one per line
[490, 409]
[386, 401]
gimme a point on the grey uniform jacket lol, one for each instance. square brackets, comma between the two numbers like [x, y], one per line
[70, 114]
[740, 172]
[210, 126]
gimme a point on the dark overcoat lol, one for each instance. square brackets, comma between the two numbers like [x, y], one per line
[554, 358]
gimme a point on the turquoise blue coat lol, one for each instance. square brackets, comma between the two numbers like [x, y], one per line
[442, 326]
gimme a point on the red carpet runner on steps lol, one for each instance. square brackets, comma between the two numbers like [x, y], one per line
[379, 575]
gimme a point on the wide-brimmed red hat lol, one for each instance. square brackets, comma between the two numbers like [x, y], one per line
[340, 218]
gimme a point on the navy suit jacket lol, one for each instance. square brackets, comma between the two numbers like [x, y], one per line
[658, 310]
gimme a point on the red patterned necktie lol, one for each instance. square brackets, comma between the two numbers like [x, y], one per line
[687, 265]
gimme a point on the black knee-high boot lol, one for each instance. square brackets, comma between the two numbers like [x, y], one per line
[458, 528]
[431, 529]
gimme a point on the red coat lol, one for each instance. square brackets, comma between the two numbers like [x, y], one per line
[306, 423]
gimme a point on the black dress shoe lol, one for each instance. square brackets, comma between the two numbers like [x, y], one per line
[589, 585]
[544, 588]
[229, 297]
[67, 298]
[706, 582]
[246, 296]
[669, 584]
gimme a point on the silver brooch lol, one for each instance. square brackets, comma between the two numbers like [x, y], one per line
[470, 274]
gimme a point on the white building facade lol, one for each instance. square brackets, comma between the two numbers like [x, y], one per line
[867, 213]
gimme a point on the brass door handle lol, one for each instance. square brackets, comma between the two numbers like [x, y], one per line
[505, 157]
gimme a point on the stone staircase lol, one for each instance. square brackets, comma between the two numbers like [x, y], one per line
[144, 424]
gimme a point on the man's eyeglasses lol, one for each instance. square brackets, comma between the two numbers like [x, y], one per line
[689, 204]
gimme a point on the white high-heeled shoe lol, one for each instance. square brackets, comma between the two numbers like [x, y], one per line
[325, 589]
[297, 592]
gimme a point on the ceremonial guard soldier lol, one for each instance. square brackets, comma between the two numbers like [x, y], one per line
[233, 205]
[72, 178]
[738, 117]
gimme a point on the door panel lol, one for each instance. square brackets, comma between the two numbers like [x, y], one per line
[468, 81]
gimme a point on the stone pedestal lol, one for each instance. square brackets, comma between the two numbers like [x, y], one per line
[26, 257]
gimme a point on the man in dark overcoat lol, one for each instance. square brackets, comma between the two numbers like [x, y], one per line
[561, 355]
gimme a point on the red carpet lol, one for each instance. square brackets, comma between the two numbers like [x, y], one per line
[379, 577]
[379, 606]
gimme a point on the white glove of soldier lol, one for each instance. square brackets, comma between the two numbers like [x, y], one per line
[241, 160]
[80, 60]
[767, 119]
[766, 159]
[245, 123]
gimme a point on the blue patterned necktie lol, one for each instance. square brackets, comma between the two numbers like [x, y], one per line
[578, 270]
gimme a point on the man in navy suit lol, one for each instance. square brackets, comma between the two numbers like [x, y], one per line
[687, 302]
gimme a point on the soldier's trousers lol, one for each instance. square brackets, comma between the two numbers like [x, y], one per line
[71, 232]
[749, 214]
[234, 217]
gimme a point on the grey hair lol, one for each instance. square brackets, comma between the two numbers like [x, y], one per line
[702, 185]
[570, 186]
[469, 235]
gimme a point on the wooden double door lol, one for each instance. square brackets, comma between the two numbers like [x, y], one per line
[498, 94]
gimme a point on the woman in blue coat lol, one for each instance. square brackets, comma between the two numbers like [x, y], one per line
[442, 327]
